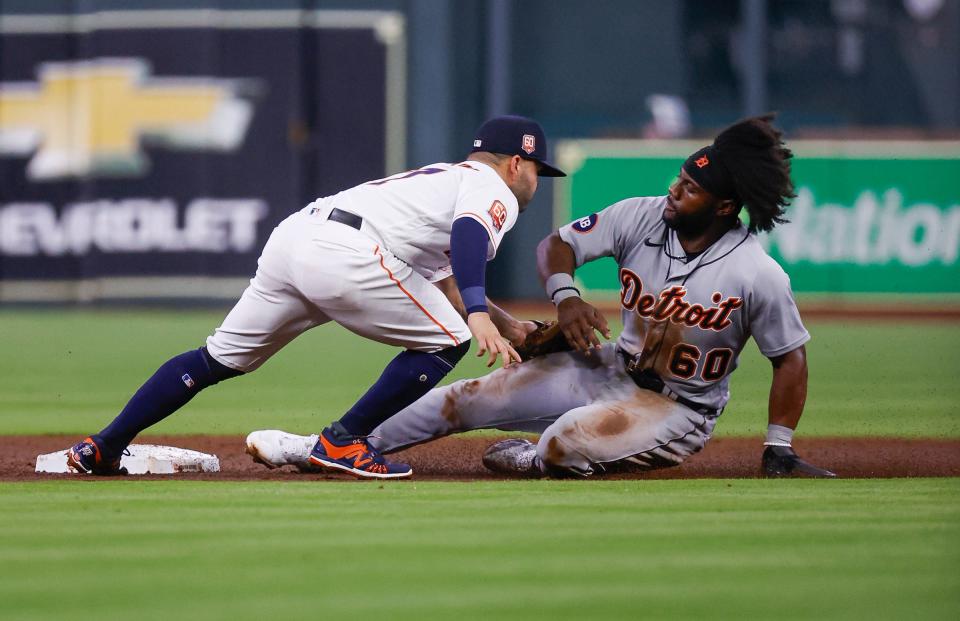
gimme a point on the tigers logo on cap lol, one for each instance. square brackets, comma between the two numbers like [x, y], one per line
[529, 143]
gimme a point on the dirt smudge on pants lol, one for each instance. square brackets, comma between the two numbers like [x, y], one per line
[449, 409]
[613, 422]
[555, 454]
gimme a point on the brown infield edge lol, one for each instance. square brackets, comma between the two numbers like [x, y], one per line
[457, 458]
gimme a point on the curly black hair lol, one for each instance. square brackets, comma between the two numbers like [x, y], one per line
[754, 153]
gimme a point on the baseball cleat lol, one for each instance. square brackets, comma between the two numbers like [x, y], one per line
[85, 457]
[274, 448]
[355, 456]
[514, 456]
[782, 461]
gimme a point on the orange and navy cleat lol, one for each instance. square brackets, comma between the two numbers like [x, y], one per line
[354, 455]
[86, 458]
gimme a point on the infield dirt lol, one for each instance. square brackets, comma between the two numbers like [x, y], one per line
[458, 459]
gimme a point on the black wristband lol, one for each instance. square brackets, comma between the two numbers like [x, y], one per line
[556, 291]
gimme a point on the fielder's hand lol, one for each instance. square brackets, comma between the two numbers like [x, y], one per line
[547, 338]
[489, 340]
[782, 461]
[579, 321]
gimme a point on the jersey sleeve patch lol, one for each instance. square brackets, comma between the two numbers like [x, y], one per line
[584, 225]
[498, 214]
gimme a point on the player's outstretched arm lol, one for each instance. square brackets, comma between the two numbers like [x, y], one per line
[512, 329]
[788, 394]
[579, 320]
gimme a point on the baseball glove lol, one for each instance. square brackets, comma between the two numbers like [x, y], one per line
[548, 338]
[782, 461]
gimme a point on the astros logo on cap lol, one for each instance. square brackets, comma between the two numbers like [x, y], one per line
[89, 117]
[529, 143]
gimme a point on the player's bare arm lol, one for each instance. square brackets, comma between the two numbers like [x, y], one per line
[788, 390]
[578, 319]
[788, 393]
[511, 328]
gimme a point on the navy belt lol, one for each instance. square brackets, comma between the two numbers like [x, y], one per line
[345, 217]
[648, 380]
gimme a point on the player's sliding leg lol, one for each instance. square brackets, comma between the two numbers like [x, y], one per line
[525, 397]
[646, 429]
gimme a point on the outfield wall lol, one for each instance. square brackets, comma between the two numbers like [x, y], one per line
[878, 217]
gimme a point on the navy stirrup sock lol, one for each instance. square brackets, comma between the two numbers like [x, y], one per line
[408, 377]
[169, 389]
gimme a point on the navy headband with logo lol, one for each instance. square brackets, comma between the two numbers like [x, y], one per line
[707, 169]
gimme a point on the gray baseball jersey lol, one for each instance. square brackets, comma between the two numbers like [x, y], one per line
[689, 318]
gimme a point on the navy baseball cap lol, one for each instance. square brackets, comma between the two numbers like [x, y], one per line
[516, 135]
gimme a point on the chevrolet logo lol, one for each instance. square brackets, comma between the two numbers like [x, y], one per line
[90, 117]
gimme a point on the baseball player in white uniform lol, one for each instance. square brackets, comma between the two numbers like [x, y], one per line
[378, 259]
[695, 285]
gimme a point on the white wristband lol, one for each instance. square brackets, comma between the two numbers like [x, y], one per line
[560, 287]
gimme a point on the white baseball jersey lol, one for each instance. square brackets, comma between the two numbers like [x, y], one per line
[690, 319]
[412, 213]
[375, 280]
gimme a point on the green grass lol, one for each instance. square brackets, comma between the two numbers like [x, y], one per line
[878, 549]
[72, 371]
[709, 549]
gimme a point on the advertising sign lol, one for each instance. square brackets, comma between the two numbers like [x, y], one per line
[869, 217]
[150, 154]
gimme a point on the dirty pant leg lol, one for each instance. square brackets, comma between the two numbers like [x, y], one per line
[524, 397]
[647, 429]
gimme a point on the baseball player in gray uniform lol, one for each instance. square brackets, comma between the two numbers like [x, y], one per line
[695, 285]
[399, 260]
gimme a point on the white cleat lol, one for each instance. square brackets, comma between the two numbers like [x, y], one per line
[274, 448]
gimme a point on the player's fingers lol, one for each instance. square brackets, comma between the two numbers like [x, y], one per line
[589, 335]
[481, 347]
[575, 337]
[601, 324]
[494, 352]
[571, 338]
[510, 355]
